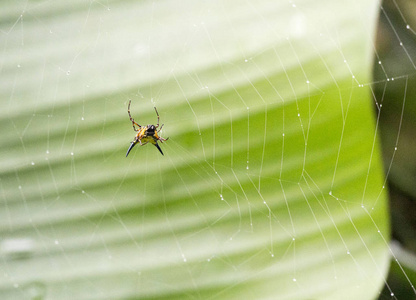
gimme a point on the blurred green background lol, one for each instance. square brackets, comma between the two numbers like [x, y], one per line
[272, 184]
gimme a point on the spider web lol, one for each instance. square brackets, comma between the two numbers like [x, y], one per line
[271, 184]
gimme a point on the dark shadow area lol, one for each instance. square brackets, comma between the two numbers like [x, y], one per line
[395, 104]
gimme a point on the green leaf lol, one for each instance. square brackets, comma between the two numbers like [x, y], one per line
[271, 185]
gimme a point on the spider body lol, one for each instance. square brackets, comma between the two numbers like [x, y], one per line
[146, 134]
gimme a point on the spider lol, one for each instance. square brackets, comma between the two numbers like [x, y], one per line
[146, 133]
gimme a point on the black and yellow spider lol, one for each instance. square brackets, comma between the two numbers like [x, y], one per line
[146, 133]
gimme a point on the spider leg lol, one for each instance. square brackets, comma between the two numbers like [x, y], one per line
[160, 128]
[132, 120]
[157, 117]
[134, 123]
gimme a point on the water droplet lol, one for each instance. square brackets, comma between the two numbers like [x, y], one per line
[395, 148]
[294, 279]
[82, 118]
[392, 294]
[348, 252]
[345, 61]
[401, 44]
[307, 81]
[56, 242]
[47, 151]
[330, 193]
[72, 153]
[32, 163]
[407, 27]
[18, 65]
[379, 62]
[20, 187]
[245, 60]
